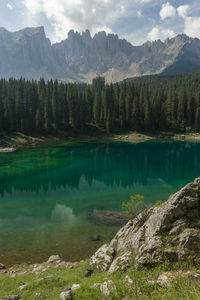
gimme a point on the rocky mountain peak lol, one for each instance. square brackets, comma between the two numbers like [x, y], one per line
[86, 35]
[100, 35]
[4, 34]
[3, 30]
[81, 57]
[180, 39]
[73, 34]
[33, 31]
[29, 32]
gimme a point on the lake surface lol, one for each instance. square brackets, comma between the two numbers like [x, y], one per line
[48, 192]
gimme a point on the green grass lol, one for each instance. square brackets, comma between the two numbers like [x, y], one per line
[51, 282]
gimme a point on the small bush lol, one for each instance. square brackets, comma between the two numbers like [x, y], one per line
[134, 206]
[159, 203]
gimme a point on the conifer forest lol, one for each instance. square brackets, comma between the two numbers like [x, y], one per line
[145, 104]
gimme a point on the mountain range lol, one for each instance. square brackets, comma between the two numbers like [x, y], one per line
[29, 53]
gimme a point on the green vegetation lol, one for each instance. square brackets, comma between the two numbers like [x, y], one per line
[147, 104]
[159, 203]
[144, 287]
[134, 206]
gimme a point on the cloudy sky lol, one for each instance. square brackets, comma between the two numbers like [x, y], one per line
[135, 20]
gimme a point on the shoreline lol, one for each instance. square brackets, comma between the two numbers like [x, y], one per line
[9, 144]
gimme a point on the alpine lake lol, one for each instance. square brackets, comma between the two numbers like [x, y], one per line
[48, 193]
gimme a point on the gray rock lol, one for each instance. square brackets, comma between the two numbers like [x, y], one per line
[128, 280]
[103, 258]
[37, 269]
[66, 289]
[107, 288]
[22, 287]
[28, 53]
[149, 260]
[150, 254]
[178, 226]
[189, 239]
[121, 263]
[164, 281]
[38, 296]
[152, 235]
[75, 287]
[54, 259]
[66, 295]
[95, 286]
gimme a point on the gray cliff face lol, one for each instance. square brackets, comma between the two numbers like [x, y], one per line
[28, 53]
[170, 232]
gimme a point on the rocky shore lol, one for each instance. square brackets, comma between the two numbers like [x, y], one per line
[169, 232]
[157, 253]
[19, 140]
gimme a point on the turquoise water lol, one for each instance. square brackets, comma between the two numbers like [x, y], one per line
[47, 192]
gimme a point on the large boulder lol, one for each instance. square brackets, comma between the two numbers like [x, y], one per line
[103, 258]
[169, 232]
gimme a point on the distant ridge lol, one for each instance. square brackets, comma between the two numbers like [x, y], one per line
[29, 53]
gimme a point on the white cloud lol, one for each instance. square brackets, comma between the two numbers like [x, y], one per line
[79, 14]
[9, 6]
[192, 26]
[147, 1]
[153, 34]
[160, 33]
[183, 11]
[167, 11]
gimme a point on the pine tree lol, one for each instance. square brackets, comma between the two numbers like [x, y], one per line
[97, 108]
[122, 113]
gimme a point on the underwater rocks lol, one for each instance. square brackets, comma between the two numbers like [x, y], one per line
[108, 217]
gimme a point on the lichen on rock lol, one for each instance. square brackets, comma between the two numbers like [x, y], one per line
[103, 258]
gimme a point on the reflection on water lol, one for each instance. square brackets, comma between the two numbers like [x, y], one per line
[48, 192]
[120, 164]
[63, 214]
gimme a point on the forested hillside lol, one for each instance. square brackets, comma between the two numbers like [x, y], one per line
[147, 104]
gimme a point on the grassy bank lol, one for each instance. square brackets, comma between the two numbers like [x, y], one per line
[51, 282]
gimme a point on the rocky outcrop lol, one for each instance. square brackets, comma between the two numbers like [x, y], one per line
[28, 53]
[81, 57]
[107, 288]
[103, 258]
[169, 232]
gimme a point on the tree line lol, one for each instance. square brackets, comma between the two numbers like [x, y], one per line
[148, 104]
